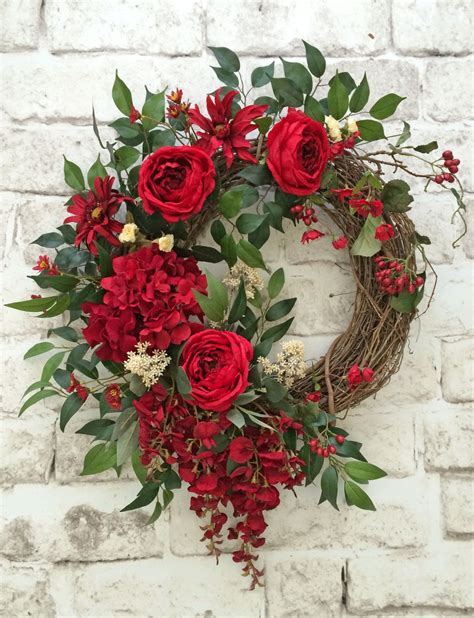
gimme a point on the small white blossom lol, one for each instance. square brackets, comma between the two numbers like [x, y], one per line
[165, 243]
[333, 128]
[351, 126]
[149, 367]
[128, 233]
[289, 365]
[250, 276]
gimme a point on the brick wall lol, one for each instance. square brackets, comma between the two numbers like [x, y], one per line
[65, 549]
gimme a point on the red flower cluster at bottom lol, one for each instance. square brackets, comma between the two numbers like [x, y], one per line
[201, 449]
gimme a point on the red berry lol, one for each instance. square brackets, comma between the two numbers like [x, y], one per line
[340, 439]
[456, 161]
[447, 154]
[453, 169]
[325, 452]
[448, 162]
[392, 290]
[307, 220]
[393, 264]
[386, 282]
[411, 288]
[438, 179]
[419, 281]
[332, 449]
[309, 211]
[319, 452]
[399, 268]
[447, 176]
[296, 209]
[450, 178]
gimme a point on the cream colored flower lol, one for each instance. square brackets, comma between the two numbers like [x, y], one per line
[351, 126]
[165, 243]
[148, 367]
[128, 233]
[289, 365]
[250, 276]
[333, 128]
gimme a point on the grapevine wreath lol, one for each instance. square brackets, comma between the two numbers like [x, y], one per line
[182, 365]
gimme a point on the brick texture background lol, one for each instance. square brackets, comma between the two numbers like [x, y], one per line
[65, 549]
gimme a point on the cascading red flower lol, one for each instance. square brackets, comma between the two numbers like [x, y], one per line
[149, 298]
[94, 214]
[223, 131]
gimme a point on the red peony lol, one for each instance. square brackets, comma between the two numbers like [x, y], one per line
[114, 330]
[217, 365]
[94, 214]
[223, 131]
[157, 288]
[298, 151]
[175, 181]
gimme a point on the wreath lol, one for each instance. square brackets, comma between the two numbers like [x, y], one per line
[188, 378]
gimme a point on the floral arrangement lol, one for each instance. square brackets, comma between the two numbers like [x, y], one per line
[185, 368]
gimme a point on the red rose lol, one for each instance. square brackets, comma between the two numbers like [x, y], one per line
[176, 180]
[114, 329]
[298, 151]
[217, 365]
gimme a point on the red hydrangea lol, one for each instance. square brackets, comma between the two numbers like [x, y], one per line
[148, 298]
[94, 214]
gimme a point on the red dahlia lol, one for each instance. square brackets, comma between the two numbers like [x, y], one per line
[94, 214]
[223, 131]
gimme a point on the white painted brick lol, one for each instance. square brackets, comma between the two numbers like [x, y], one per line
[31, 440]
[457, 494]
[274, 27]
[435, 580]
[20, 24]
[449, 441]
[77, 523]
[458, 370]
[171, 587]
[448, 89]
[149, 27]
[432, 26]
[468, 240]
[25, 591]
[304, 586]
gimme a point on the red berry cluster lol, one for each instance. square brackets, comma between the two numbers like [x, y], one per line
[305, 214]
[451, 164]
[394, 277]
[321, 451]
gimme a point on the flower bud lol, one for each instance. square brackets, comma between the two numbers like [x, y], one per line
[351, 126]
[128, 233]
[165, 243]
[333, 128]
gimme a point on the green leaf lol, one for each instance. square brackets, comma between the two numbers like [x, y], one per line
[211, 311]
[298, 74]
[315, 60]
[360, 96]
[139, 469]
[313, 464]
[366, 244]
[370, 130]
[51, 365]
[39, 348]
[404, 135]
[226, 58]
[276, 283]
[217, 292]
[239, 305]
[207, 254]
[156, 514]
[62, 377]
[65, 332]
[182, 382]
[386, 106]
[249, 222]
[121, 95]
[256, 175]
[280, 309]
[171, 479]
[160, 138]
[261, 76]
[427, 148]
[277, 332]
[71, 257]
[396, 196]
[362, 471]
[230, 203]
[126, 129]
[96, 170]
[105, 260]
[275, 391]
[100, 458]
[287, 92]
[422, 240]
[61, 283]
[35, 398]
[347, 79]
[100, 428]
[73, 175]
[68, 232]
[356, 495]
[167, 497]
[51, 240]
[145, 496]
[329, 486]
[249, 254]
[128, 440]
[217, 231]
[313, 109]
[70, 406]
[59, 307]
[229, 249]
[275, 212]
[405, 302]
[125, 157]
[338, 99]
[236, 417]
[35, 304]
[154, 110]
[226, 77]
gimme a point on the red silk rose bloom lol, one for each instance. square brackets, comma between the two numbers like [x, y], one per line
[176, 180]
[217, 365]
[298, 151]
